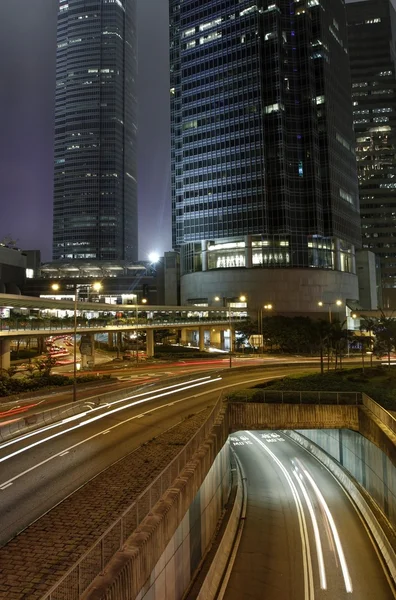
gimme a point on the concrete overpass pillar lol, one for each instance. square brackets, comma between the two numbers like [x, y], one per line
[201, 334]
[91, 357]
[150, 343]
[215, 338]
[110, 339]
[184, 336]
[5, 354]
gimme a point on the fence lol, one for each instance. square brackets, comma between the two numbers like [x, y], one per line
[296, 397]
[94, 561]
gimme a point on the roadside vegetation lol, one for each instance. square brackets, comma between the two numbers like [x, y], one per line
[38, 376]
[378, 382]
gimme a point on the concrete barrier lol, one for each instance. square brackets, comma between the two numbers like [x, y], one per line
[130, 569]
[384, 546]
[210, 587]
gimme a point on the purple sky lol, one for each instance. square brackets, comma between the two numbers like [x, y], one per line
[27, 75]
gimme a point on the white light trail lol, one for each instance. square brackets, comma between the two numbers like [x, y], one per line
[344, 566]
[319, 550]
[25, 436]
[102, 416]
[309, 593]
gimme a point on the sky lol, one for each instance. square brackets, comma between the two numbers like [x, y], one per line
[27, 76]
[27, 88]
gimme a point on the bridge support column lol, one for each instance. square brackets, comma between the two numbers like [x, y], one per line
[215, 338]
[201, 334]
[150, 343]
[184, 336]
[110, 339]
[5, 354]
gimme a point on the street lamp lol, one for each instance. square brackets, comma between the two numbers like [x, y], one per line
[265, 307]
[241, 299]
[329, 304]
[96, 286]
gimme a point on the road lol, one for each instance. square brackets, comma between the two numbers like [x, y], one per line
[302, 537]
[40, 469]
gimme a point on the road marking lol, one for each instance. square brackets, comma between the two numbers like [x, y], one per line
[309, 592]
[106, 432]
[3, 487]
[64, 453]
[140, 416]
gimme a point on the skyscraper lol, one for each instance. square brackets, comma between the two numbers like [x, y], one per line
[263, 165]
[372, 42]
[95, 204]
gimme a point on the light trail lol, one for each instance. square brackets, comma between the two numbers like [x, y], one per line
[72, 418]
[102, 416]
[319, 550]
[309, 592]
[340, 552]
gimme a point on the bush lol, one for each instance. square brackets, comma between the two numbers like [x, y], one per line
[9, 386]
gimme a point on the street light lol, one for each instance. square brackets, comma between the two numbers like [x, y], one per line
[329, 304]
[96, 286]
[265, 307]
[241, 299]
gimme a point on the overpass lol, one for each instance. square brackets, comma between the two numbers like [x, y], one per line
[133, 563]
[41, 319]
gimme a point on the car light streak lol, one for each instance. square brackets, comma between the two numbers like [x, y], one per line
[322, 501]
[309, 593]
[66, 420]
[102, 416]
[5, 484]
[319, 550]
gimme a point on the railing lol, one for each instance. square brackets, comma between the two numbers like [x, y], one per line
[93, 562]
[380, 412]
[298, 397]
[35, 327]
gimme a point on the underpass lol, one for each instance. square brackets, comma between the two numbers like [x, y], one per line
[78, 456]
[302, 537]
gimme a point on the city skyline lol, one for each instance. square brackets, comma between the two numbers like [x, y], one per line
[27, 65]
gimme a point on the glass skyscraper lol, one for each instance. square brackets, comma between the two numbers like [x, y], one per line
[263, 152]
[95, 191]
[372, 41]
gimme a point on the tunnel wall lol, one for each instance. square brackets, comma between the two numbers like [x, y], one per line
[174, 570]
[371, 468]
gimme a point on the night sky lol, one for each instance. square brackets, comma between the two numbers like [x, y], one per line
[27, 76]
[27, 87]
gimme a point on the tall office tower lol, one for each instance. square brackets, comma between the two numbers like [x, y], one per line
[372, 42]
[95, 204]
[264, 185]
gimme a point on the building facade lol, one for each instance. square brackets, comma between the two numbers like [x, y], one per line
[264, 186]
[372, 43]
[95, 190]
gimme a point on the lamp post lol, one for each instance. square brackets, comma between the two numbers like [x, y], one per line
[241, 299]
[329, 304]
[96, 286]
[265, 307]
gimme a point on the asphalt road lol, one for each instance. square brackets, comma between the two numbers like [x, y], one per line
[302, 538]
[39, 470]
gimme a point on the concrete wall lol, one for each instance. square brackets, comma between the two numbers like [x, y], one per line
[244, 415]
[181, 522]
[289, 290]
[366, 463]
[174, 570]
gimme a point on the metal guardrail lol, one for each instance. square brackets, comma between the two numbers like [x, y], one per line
[47, 328]
[93, 562]
[300, 397]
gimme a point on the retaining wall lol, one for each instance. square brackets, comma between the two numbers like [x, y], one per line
[182, 522]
